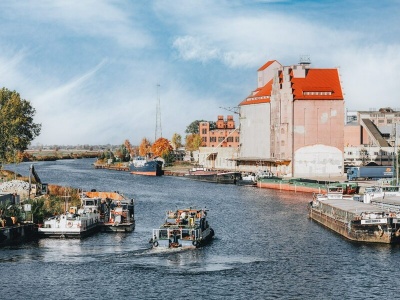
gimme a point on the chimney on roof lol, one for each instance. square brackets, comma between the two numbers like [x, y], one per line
[305, 60]
[301, 70]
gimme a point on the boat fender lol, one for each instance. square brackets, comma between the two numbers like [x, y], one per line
[155, 244]
[195, 243]
[380, 230]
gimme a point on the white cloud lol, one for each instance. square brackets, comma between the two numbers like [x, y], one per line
[90, 68]
[191, 48]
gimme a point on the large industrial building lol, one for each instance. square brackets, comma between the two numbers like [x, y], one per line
[299, 121]
[371, 137]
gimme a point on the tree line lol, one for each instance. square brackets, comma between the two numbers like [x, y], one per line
[18, 130]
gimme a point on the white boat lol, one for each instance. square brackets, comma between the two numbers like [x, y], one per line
[247, 179]
[184, 228]
[376, 192]
[336, 193]
[77, 223]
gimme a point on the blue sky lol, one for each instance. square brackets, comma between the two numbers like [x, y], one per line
[91, 67]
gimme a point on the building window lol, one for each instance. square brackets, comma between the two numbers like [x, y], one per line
[204, 139]
[220, 139]
[237, 139]
[229, 139]
[389, 121]
[213, 139]
[204, 131]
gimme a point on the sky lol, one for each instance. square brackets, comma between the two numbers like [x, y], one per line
[94, 70]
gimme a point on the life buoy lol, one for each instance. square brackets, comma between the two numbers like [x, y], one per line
[78, 225]
[155, 244]
[69, 224]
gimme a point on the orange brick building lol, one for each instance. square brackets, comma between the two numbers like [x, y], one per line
[224, 135]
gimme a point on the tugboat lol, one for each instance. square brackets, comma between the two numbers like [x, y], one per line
[184, 228]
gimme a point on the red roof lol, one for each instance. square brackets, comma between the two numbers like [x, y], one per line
[260, 95]
[326, 81]
[266, 65]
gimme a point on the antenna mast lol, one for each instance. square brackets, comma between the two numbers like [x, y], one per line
[158, 132]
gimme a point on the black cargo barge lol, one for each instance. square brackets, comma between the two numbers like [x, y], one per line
[17, 234]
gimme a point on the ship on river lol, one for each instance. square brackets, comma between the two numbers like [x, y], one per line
[355, 220]
[142, 166]
[183, 228]
[76, 223]
[214, 176]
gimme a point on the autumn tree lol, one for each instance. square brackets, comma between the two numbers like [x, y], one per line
[193, 142]
[17, 128]
[134, 151]
[176, 141]
[145, 147]
[161, 147]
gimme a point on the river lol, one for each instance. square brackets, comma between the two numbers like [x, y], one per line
[265, 248]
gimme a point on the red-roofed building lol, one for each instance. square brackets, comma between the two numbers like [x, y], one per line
[293, 123]
[255, 118]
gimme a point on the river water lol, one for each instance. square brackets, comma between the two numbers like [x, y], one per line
[265, 248]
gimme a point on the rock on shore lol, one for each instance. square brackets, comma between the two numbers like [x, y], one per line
[19, 187]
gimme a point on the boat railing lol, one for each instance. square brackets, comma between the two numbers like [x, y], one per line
[181, 233]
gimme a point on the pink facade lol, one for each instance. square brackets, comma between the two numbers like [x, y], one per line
[352, 134]
[318, 122]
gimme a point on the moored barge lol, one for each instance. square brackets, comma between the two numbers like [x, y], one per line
[202, 174]
[357, 221]
[117, 211]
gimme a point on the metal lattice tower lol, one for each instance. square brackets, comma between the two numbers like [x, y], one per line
[158, 132]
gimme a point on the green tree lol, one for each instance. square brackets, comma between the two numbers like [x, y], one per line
[193, 128]
[17, 128]
[169, 158]
[122, 153]
[176, 141]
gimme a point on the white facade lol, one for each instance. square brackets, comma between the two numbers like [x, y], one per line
[318, 160]
[365, 154]
[266, 74]
[218, 158]
[254, 131]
